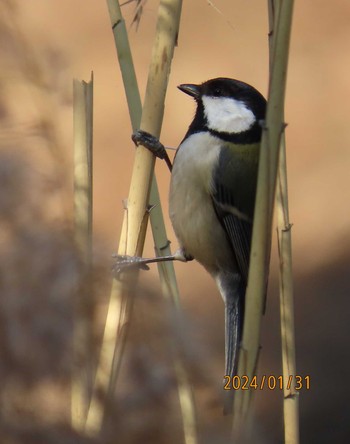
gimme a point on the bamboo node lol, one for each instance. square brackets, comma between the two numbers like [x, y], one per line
[151, 207]
[287, 228]
[164, 247]
[117, 23]
[291, 395]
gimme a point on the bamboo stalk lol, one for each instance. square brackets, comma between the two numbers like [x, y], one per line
[136, 214]
[260, 251]
[125, 63]
[83, 124]
[291, 399]
[162, 245]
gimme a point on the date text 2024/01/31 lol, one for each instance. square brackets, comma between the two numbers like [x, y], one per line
[270, 382]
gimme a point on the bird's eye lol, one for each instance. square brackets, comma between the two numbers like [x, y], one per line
[217, 92]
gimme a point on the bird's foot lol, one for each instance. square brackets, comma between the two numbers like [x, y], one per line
[182, 256]
[124, 262]
[150, 142]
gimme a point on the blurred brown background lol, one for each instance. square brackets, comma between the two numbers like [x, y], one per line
[66, 39]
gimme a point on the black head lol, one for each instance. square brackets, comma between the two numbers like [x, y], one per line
[228, 108]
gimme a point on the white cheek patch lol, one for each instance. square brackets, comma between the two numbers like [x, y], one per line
[227, 115]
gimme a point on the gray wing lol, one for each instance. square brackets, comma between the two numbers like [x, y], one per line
[237, 228]
[234, 187]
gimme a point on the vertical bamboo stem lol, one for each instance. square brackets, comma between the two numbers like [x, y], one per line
[259, 257]
[83, 124]
[291, 398]
[162, 245]
[136, 215]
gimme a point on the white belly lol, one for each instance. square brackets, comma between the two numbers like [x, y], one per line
[195, 223]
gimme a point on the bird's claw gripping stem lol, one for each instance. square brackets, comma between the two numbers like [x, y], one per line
[150, 142]
[123, 262]
[153, 144]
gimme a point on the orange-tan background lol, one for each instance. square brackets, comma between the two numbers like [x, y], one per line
[76, 36]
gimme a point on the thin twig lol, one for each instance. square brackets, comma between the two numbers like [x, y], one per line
[218, 10]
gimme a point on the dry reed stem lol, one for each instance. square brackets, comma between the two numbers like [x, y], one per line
[260, 251]
[291, 398]
[83, 124]
[162, 245]
[136, 214]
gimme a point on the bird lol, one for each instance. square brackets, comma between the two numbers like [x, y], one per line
[212, 193]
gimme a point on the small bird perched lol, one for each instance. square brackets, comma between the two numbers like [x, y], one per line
[212, 192]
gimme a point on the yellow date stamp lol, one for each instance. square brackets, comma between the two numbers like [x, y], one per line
[270, 382]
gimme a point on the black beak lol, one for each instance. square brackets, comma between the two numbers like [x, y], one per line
[191, 90]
